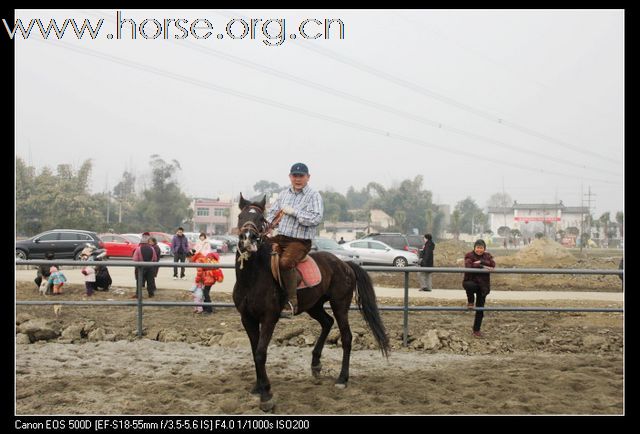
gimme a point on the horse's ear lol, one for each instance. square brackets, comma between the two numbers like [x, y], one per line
[263, 202]
[243, 202]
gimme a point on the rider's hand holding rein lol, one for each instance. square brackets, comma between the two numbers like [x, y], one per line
[289, 210]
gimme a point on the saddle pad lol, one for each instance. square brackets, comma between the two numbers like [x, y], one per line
[310, 273]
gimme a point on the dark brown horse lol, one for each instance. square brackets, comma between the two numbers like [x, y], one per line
[260, 299]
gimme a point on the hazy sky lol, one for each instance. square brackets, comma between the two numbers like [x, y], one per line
[475, 101]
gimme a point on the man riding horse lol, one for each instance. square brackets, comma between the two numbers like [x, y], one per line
[303, 209]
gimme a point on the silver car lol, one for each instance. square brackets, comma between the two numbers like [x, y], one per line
[331, 246]
[379, 253]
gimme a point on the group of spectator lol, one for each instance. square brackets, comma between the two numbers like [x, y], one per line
[147, 251]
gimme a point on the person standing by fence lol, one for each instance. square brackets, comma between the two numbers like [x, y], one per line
[144, 252]
[426, 261]
[477, 285]
[179, 248]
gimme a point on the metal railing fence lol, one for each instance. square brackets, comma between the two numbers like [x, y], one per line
[405, 307]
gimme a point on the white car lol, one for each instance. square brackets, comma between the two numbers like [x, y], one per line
[165, 249]
[378, 253]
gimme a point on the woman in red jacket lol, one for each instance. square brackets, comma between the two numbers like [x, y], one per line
[478, 285]
[207, 277]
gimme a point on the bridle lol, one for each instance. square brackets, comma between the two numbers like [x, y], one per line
[262, 228]
[257, 230]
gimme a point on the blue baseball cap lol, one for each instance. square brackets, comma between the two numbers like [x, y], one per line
[299, 169]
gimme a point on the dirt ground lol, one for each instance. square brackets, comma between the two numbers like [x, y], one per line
[87, 360]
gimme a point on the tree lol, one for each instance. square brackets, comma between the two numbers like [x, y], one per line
[267, 188]
[454, 224]
[515, 234]
[409, 197]
[28, 213]
[163, 206]
[47, 200]
[471, 216]
[438, 224]
[400, 216]
[124, 194]
[504, 231]
[357, 199]
[499, 200]
[605, 220]
[620, 221]
[335, 206]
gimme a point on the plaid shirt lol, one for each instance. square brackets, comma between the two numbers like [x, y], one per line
[309, 210]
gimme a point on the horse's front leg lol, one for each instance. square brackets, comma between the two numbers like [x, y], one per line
[263, 384]
[251, 326]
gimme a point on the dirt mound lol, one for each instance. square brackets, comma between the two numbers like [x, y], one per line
[447, 253]
[543, 252]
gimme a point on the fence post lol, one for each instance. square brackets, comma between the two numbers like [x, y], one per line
[405, 327]
[139, 276]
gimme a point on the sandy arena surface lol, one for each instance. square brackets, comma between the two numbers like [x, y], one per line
[87, 360]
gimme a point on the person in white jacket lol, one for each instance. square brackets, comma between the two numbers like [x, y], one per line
[202, 245]
[89, 276]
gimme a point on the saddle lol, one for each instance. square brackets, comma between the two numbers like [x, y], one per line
[308, 271]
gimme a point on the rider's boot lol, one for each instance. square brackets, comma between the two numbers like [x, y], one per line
[290, 281]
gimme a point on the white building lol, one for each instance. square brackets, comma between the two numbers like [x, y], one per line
[532, 218]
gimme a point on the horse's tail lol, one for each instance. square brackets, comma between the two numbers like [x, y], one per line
[366, 300]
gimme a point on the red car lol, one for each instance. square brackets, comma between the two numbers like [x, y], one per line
[118, 245]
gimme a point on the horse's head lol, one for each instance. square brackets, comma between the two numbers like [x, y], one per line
[251, 225]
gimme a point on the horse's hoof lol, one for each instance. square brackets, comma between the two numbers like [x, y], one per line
[315, 371]
[267, 405]
[341, 385]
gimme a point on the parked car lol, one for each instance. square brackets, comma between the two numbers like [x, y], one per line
[219, 246]
[165, 249]
[394, 239]
[331, 246]
[192, 237]
[379, 253]
[230, 240]
[416, 242]
[63, 243]
[164, 242]
[134, 238]
[118, 245]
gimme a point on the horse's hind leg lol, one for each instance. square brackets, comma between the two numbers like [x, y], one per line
[341, 313]
[318, 313]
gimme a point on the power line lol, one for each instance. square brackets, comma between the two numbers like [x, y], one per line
[298, 110]
[448, 100]
[518, 74]
[344, 95]
[383, 107]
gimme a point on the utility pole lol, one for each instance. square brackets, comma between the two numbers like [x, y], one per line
[108, 197]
